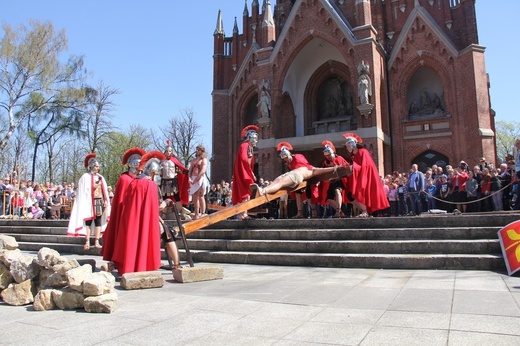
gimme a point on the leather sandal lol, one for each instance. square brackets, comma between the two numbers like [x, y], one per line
[86, 246]
[96, 244]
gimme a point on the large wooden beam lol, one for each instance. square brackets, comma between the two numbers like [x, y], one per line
[233, 210]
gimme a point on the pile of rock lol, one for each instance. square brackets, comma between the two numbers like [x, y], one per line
[51, 281]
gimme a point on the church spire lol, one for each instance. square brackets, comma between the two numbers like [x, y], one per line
[220, 25]
[235, 27]
[268, 15]
[246, 11]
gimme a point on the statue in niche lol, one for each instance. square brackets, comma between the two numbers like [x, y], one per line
[425, 100]
[364, 83]
[334, 99]
[413, 108]
[265, 99]
[436, 102]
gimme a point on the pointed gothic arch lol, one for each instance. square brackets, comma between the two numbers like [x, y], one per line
[429, 158]
[328, 99]
[425, 95]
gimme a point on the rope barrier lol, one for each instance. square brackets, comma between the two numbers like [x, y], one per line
[464, 203]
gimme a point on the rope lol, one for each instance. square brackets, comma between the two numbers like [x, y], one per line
[464, 203]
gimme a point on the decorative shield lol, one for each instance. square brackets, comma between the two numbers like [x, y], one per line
[510, 243]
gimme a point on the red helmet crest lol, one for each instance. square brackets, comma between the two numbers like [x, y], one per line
[353, 135]
[329, 144]
[130, 152]
[152, 154]
[88, 158]
[284, 144]
[248, 128]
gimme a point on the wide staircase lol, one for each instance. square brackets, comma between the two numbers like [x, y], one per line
[426, 242]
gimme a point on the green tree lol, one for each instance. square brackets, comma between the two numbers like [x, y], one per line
[506, 134]
[46, 126]
[112, 149]
[32, 75]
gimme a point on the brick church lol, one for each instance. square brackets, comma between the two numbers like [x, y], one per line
[407, 76]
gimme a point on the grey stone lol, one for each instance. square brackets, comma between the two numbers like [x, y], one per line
[24, 268]
[63, 268]
[67, 299]
[97, 284]
[105, 303]
[199, 273]
[8, 256]
[5, 277]
[49, 258]
[43, 300]
[8, 242]
[19, 294]
[141, 280]
[76, 276]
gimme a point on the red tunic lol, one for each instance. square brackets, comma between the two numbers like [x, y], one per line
[110, 236]
[139, 247]
[298, 160]
[324, 185]
[365, 184]
[242, 174]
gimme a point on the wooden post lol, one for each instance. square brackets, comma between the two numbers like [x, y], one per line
[233, 210]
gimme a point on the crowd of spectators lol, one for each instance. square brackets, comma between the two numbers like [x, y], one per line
[30, 200]
[464, 188]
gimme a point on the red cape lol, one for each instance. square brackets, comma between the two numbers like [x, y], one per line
[183, 181]
[139, 247]
[365, 184]
[298, 160]
[242, 174]
[110, 236]
[324, 185]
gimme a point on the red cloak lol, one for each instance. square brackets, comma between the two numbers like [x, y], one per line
[365, 184]
[324, 185]
[110, 236]
[243, 175]
[183, 181]
[139, 247]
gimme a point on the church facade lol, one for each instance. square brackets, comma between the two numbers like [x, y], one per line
[407, 76]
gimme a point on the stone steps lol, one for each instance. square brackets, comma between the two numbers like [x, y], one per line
[430, 242]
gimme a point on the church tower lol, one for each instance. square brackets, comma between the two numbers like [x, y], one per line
[407, 76]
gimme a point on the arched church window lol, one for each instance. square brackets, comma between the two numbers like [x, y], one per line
[425, 95]
[429, 158]
[334, 99]
[251, 111]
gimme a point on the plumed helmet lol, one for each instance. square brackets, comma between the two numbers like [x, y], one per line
[151, 163]
[250, 133]
[90, 161]
[169, 148]
[328, 148]
[351, 139]
[285, 149]
[132, 158]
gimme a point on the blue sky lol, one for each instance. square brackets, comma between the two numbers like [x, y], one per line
[158, 53]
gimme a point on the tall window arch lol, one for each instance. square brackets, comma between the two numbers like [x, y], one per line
[251, 111]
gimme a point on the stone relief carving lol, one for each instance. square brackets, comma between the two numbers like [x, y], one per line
[335, 99]
[428, 105]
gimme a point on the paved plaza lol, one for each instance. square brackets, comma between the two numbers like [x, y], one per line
[270, 305]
